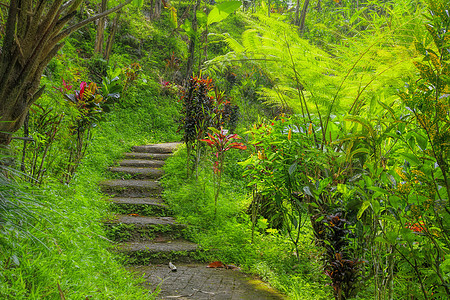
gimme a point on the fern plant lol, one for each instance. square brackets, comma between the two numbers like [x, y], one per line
[319, 84]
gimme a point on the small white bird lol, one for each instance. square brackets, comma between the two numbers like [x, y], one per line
[172, 267]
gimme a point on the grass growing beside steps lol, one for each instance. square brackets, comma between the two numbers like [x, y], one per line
[66, 256]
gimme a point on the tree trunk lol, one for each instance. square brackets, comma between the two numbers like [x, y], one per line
[303, 15]
[192, 44]
[297, 13]
[34, 30]
[157, 14]
[99, 39]
[111, 36]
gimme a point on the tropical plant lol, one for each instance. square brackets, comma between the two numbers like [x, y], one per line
[220, 141]
[197, 114]
[203, 107]
[88, 103]
[342, 269]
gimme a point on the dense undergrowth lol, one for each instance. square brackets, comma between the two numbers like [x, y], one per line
[229, 237]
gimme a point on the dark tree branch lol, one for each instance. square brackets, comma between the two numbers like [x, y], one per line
[8, 41]
[83, 23]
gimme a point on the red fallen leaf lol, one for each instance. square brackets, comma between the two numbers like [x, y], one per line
[134, 215]
[216, 264]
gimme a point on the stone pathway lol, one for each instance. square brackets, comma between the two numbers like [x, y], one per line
[150, 238]
[195, 281]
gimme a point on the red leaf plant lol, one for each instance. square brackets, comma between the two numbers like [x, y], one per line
[220, 141]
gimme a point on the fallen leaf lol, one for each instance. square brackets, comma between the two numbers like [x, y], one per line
[232, 267]
[216, 264]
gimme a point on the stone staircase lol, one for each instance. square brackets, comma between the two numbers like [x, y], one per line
[143, 228]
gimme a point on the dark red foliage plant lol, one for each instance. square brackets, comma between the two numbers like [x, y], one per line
[220, 141]
[203, 107]
[342, 270]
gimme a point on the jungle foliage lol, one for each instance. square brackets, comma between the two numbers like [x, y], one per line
[340, 186]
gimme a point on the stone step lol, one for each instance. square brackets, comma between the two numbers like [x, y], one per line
[136, 228]
[144, 253]
[149, 156]
[131, 187]
[139, 173]
[144, 220]
[139, 201]
[141, 206]
[141, 163]
[157, 148]
[134, 233]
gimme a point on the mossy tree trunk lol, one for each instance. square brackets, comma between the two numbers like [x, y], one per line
[34, 30]
[112, 35]
[101, 24]
[192, 44]
[303, 15]
[297, 13]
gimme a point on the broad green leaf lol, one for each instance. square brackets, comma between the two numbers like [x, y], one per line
[421, 141]
[445, 266]
[407, 235]
[386, 107]
[411, 158]
[391, 236]
[377, 189]
[360, 150]
[363, 208]
[395, 201]
[247, 162]
[222, 10]
[292, 168]
[314, 204]
[187, 27]
[362, 121]
[342, 188]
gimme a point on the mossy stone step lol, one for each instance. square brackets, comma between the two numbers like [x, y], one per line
[139, 201]
[141, 206]
[139, 173]
[142, 163]
[157, 148]
[144, 253]
[131, 187]
[138, 233]
[127, 228]
[144, 220]
[149, 156]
